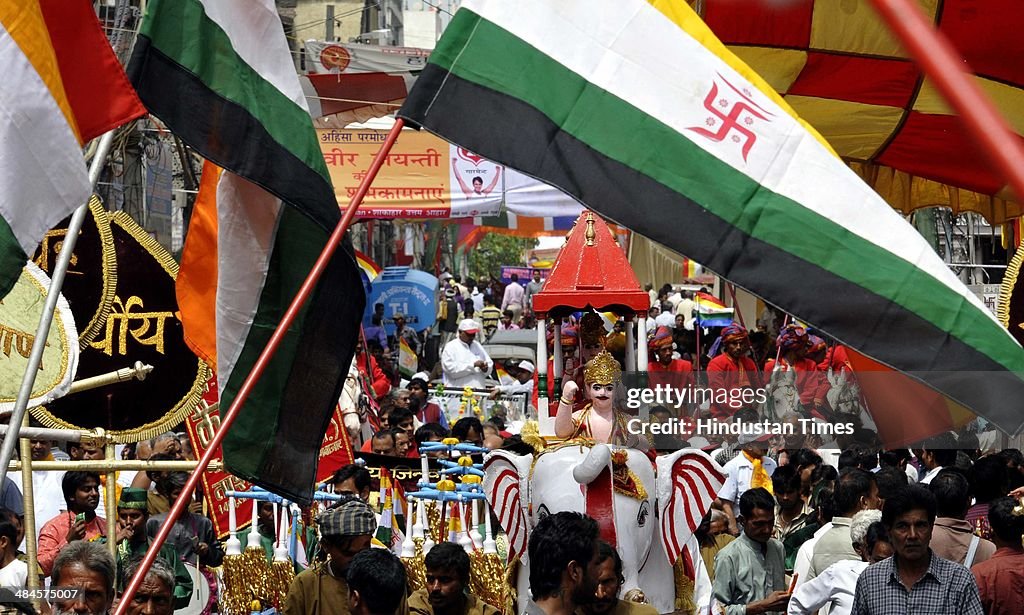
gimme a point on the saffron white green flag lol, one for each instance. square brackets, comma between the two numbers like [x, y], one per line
[639, 112]
[219, 74]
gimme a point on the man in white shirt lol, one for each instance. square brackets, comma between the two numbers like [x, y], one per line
[522, 375]
[837, 584]
[464, 361]
[938, 452]
[47, 494]
[685, 305]
[739, 473]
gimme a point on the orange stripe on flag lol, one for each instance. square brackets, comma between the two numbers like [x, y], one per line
[196, 287]
[904, 410]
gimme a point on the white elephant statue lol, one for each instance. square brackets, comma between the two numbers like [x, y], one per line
[648, 516]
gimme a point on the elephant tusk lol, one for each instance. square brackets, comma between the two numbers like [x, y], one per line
[599, 457]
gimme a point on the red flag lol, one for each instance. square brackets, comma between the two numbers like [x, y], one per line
[94, 81]
[905, 411]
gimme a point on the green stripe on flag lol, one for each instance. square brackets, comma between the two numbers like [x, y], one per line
[12, 258]
[626, 134]
[216, 63]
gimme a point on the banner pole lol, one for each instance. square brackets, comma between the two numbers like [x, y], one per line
[261, 363]
[52, 295]
[940, 62]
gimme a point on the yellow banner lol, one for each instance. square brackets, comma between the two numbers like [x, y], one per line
[417, 177]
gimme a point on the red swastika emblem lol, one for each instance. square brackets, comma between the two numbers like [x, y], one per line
[729, 120]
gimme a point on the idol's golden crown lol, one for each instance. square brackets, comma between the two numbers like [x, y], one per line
[602, 369]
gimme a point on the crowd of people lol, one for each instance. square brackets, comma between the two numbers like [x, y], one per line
[800, 524]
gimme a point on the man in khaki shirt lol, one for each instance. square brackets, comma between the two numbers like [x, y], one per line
[446, 593]
[322, 590]
[952, 536]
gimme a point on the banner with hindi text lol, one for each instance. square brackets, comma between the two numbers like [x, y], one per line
[426, 177]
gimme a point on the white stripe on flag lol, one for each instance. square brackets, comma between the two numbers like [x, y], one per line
[257, 36]
[247, 218]
[42, 173]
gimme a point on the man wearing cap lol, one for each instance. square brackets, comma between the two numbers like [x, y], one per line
[523, 375]
[345, 532]
[732, 372]
[464, 361]
[132, 542]
[665, 370]
[793, 343]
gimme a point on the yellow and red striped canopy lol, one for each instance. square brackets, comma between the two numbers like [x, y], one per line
[842, 71]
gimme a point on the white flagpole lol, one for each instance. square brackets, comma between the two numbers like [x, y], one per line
[43, 330]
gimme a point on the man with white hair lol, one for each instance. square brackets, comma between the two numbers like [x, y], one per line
[464, 361]
[835, 586]
[89, 568]
[155, 595]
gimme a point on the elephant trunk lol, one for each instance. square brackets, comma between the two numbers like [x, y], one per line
[596, 460]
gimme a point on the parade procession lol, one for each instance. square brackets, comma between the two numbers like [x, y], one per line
[481, 307]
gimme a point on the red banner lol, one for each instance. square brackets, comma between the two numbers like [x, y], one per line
[203, 424]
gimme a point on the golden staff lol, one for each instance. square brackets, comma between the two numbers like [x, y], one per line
[139, 371]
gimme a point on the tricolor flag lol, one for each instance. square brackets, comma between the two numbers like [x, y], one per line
[220, 76]
[389, 533]
[63, 86]
[368, 270]
[640, 113]
[503, 377]
[408, 362]
[711, 312]
[367, 266]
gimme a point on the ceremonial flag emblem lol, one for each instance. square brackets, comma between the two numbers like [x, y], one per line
[711, 312]
[62, 87]
[220, 76]
[610, 102]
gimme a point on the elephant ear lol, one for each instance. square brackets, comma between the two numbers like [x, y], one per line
[688, 482]
[506, 490]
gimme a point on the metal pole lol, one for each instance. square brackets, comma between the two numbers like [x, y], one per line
[329, 23]
[117, 465]
[43, 330]
[110, 500]
[28, 494]
[939, 60]
[261, 363]
[42, 433]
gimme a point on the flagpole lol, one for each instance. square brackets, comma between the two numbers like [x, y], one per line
[940, 62]
[735, 304]
[261, 363]
[52, 295]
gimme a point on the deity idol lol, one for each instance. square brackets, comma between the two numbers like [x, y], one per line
[598, 419]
